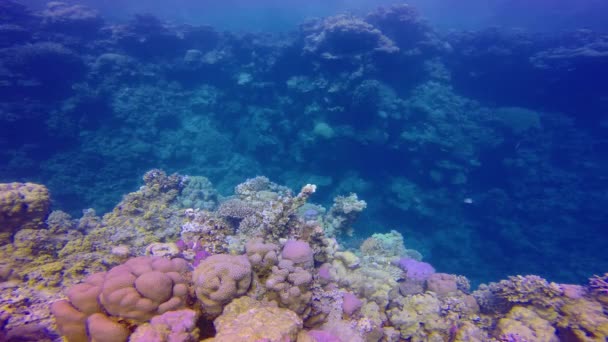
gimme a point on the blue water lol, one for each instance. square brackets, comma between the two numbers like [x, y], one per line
[483, 145]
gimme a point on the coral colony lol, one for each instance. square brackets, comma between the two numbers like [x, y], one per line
[181, 260]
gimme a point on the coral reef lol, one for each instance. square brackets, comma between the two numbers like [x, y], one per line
[274, 288]
[436, 153]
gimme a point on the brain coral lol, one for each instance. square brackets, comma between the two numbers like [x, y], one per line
[143, 287]
[23, 206]
[139, 289]
[219, 279]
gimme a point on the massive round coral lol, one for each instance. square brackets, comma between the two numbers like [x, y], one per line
[219, 279]
[143, 287]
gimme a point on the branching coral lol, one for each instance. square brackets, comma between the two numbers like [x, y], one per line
[529, 289]
[342, 214]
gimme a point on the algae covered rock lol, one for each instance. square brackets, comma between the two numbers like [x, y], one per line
[23, 206]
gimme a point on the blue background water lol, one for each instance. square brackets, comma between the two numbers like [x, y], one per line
[485, 146]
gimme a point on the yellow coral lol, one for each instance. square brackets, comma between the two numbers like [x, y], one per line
[23, 205]
[527, 324]
[418, 317]
[75, 246]
[584, 319]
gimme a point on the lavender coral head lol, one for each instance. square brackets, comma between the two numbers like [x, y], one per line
[416, 270]
[323, 336]
[599, 284]
[181, 245]
[311, 214]
[200, 256]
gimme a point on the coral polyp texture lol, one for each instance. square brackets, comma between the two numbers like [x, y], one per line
[290, 283]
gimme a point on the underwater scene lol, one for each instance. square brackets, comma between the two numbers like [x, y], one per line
[307, 171]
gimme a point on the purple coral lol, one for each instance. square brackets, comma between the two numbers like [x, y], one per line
[323, 336]
[298, 251]
[416, 270]
[200, 256]
[324, 272]
[599, 284]
[350, 303]
[311, 214]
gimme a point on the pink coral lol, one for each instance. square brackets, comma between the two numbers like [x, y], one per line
[350, 303]
[144, 287]
[323, 336]
[138, 290]
[299, 252]
[219, 279]
[416, 270]
[442, 284]
[173, 326]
